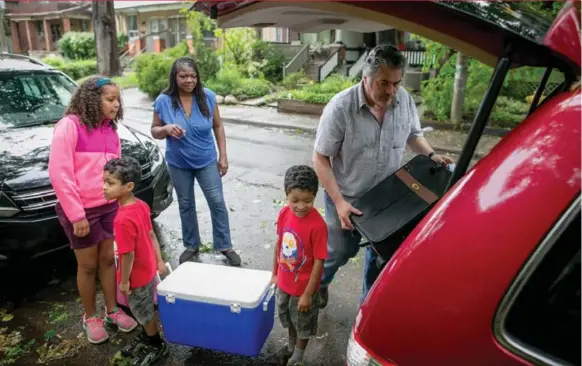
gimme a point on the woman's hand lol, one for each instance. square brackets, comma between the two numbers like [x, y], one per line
[223, 165]
[175, 131]
[81, 228]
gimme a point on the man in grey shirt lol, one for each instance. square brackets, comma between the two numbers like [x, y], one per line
[360, 141]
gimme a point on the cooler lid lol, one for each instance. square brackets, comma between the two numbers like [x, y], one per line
[216, 284]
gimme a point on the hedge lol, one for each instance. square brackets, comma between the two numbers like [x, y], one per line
[81, 45]
[74, 69]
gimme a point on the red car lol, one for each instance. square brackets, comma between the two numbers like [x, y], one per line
[491, 275]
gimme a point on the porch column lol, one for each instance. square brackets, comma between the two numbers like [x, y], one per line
[29, 33]
[190, 43]
[159, 44]
[66, 25]
[15, 37]
[47, 35]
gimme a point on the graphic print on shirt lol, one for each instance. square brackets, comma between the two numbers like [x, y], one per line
[292, 253]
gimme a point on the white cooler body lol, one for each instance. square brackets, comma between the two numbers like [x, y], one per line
[222, 308]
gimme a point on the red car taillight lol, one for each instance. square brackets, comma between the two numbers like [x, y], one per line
[357, 355]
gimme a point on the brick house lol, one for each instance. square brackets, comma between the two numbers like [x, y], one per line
[36, 26]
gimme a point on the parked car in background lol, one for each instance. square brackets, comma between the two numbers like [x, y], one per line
[33, 97]
[491, 275]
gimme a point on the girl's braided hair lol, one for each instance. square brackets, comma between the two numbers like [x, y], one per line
[86, 102]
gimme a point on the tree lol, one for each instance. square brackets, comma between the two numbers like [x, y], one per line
[459, 89]
[106, 38]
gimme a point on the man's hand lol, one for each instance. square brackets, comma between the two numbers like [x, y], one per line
[124, 288]
[162, 268]
[344, 209]
[273, 280]
[81, 228]
[304, 303]
[442, 159]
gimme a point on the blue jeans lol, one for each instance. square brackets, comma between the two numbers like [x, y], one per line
[211, 185]
[343, 245]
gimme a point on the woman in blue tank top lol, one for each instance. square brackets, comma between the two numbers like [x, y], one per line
[186, 115]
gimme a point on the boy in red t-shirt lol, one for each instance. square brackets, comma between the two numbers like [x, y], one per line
[298, 264]
[139, 250]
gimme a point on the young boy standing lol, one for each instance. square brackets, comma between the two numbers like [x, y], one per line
[140, 257]
[298, 262]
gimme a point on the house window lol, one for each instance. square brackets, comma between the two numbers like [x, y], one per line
[132, 29]
[84, 25]
[543, 322]
[178, 31]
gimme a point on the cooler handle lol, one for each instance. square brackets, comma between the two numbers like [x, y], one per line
[269, 297]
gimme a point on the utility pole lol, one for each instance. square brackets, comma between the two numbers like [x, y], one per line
[3, 45]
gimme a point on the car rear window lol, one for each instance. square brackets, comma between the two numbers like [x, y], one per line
[33, 98]
[545, 318]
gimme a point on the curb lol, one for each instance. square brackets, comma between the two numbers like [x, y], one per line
[313, 130]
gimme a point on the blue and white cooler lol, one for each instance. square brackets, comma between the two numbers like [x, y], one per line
[216, 307]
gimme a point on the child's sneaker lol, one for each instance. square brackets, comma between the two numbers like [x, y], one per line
[133, 347]
[150, 354]
[124, 322]
[95, 329]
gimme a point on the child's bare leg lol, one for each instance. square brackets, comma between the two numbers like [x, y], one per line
[151, 327]
[107, 273]
[87, 264]
[292, 338]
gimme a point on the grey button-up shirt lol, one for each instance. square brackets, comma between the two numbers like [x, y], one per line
[362, 151]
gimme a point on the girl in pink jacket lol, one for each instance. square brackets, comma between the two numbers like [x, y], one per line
[83, 141]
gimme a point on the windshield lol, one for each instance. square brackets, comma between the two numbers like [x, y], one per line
[33, 98]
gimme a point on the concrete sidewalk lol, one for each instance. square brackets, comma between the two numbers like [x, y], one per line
[443, 141]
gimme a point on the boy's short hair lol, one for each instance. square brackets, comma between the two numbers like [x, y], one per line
[125, 169]
[301, 177]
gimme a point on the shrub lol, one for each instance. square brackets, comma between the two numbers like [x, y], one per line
[74, 69]
[252, 88]
[321, 93]
[228, 80]
[272, 68]
[153, 70]
[295, 80]
[81, 45]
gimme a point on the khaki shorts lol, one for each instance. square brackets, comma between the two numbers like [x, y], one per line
[304, 322]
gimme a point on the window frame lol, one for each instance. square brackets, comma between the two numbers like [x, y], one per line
[508, 341]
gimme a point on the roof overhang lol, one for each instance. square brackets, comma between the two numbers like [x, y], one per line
[134, 7]
[82, 11]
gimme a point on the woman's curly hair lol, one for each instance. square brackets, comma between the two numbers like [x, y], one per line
[86, 103]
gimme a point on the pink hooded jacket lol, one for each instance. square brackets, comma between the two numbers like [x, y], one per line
[76, 161]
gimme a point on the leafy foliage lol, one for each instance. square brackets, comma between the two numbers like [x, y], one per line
[321, 93]
[74, 69]
[81, 45]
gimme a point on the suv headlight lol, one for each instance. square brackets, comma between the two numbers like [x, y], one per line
[157, 159]
[7, 207]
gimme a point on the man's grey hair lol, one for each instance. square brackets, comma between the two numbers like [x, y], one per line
[384, 54]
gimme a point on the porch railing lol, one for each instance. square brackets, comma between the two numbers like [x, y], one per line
[415, 58]
[297, 62]
[329, 65]
[355, 69]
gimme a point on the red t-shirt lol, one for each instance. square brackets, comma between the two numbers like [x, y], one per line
[132, 227]
[301, 241]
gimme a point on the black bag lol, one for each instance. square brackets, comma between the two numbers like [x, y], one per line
[392, 209]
